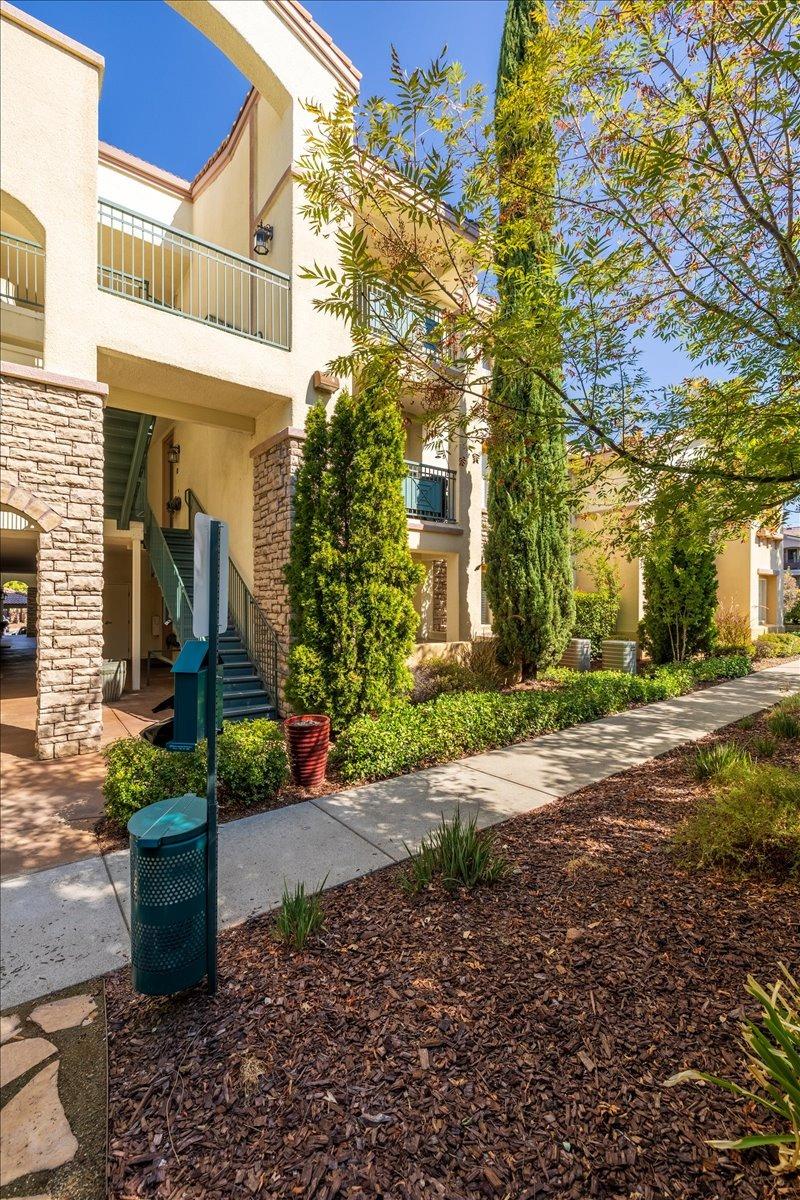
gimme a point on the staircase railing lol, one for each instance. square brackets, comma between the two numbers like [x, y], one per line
[176, 598]
[259, 639]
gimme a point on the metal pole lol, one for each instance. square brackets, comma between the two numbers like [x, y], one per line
[211, 743]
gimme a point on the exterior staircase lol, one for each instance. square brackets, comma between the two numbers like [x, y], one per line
[244, 695]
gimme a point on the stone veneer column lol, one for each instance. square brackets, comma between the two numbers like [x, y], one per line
[52, 468]
[275, 464]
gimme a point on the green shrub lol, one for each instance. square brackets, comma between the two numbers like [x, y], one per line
[457, 854]
[752, 823]
[773, 1062]
[251, 768]
[300, 914]
[733, 631]
[713, 762]
[595, 616]
[138, 773]
[784, 724]
[680, 584]
[477, 671]
[252, 761]
[777, 645]
[411, 736]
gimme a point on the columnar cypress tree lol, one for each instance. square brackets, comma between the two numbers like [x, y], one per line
[351, 576]
[527, 556]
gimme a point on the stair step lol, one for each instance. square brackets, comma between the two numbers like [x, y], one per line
[241, 687]
[244, 699]
[234, 714]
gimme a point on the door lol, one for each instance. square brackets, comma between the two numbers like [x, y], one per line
[116, 621]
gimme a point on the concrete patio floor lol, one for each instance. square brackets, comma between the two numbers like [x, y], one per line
[62, 926]
[48, 809]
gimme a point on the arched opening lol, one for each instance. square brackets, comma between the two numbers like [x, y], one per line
[22, 287]
[19, 549]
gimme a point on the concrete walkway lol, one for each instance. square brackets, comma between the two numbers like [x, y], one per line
[62, 926]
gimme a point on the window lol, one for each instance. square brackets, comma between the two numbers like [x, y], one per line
[486, 613]
[763, 600]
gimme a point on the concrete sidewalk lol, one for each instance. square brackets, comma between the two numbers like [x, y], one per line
[62, 926]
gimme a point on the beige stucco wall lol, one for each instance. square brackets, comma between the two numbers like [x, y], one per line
[48, 115]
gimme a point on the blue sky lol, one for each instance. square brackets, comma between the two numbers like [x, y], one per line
[170, 97]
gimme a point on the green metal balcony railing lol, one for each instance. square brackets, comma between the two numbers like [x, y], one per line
[21, 272]
[174, 271]
[176, 597]
[430, 492]
[401, 318]
[248, 619]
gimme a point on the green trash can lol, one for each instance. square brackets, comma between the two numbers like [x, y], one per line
[169, 842]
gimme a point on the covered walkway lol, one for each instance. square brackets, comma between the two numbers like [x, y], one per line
[48, 809]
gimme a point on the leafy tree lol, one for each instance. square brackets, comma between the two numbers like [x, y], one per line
[676, 207]
[527, 554]
[351, 577]
[680, 586]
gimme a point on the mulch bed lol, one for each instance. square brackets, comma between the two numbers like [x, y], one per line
[509, 1043]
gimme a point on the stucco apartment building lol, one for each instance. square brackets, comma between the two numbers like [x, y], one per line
[155, 361]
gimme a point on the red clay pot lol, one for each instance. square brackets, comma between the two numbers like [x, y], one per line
[309, 738]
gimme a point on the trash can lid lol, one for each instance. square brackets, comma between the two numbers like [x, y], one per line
[169, 820]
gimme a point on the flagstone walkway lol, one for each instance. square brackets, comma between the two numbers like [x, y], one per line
[62, 926]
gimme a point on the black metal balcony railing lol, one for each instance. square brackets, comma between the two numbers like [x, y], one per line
[430, 492]
[168, 269]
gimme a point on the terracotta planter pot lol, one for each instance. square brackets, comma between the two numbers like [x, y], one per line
[309, 738]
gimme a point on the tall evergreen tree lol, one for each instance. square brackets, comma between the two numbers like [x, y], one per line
[529, 580]
[351, 576]
[679, 572]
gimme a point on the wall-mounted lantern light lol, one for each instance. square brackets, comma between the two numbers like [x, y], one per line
[174, 454]
[262, 237]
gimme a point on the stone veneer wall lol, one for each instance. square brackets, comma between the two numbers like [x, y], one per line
[275, 464]
[439, 572]
[51, 462]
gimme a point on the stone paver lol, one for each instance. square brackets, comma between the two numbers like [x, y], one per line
[35, 1134]
[18, 1057]
[64, 926]
[9, 1027]
[64, 1014]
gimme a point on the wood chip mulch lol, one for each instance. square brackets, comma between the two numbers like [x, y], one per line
[511, 1043]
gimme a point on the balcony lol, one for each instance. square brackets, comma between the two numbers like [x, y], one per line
[170, 270]
[403, 319]
[430, 493]
[22, 299]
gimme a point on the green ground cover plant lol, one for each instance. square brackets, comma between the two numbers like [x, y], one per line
[456, 855]
[750, 822]
[407, 737]
[772, 1047]
[252, 768]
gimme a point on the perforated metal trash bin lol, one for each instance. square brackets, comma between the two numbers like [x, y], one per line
[168, 894]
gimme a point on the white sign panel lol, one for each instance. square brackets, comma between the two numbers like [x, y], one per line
[202, 572]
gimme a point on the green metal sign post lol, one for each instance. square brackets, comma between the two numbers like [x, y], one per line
[211, 744]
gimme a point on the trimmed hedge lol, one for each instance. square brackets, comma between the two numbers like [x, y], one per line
[252, 767]
[411, 736]
[777, 645]
[595, 616]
